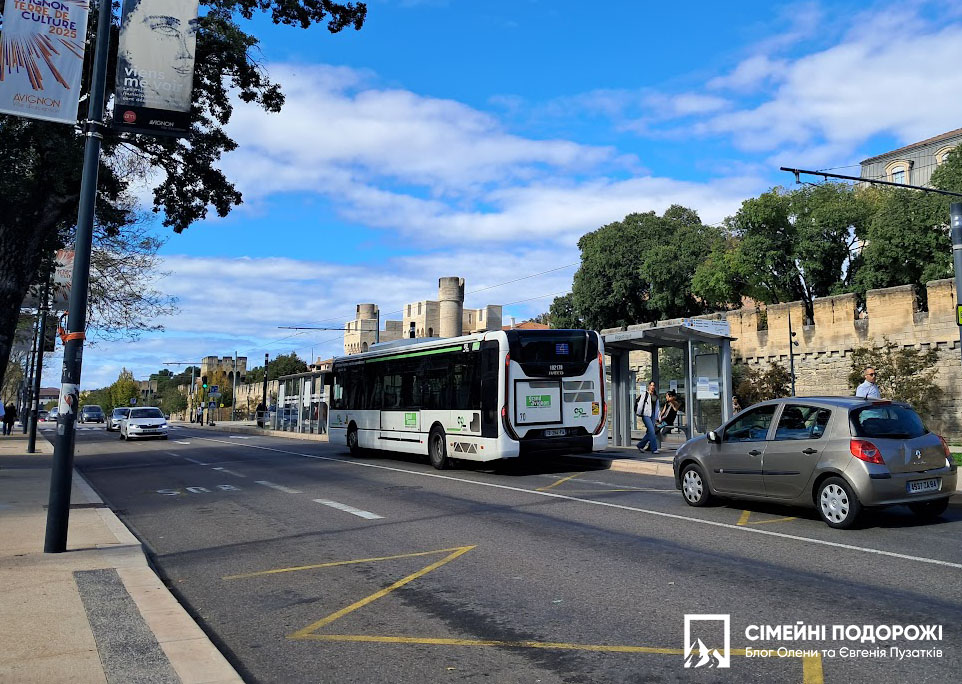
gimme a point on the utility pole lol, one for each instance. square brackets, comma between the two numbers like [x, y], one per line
[955, 215]
[233, 394]
[29, 375]
[61, 478]
[38, 373]
[791, 350]
[264, 397]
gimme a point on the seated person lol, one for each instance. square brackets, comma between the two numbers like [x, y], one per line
[668, 413]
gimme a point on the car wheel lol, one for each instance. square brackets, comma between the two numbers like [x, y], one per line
[438, 449]
[930, 510]
[837, 503]
[694, 487]
[122, 435]
[352, 442]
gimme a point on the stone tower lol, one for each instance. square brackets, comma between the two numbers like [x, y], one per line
[451, 299]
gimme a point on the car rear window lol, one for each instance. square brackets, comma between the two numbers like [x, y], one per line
[146, 413]
[890, 421]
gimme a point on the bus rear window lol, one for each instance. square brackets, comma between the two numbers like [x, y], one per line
[553, 346]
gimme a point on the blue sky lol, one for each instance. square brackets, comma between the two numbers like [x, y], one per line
[483, 138]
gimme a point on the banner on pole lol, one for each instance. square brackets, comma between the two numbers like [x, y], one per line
[42, 58]
[155, 66]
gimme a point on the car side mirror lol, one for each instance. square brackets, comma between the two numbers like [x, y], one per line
[714, 438]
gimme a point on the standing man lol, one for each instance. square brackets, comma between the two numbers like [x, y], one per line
[868, 389]
[647, 408]
[9, 416]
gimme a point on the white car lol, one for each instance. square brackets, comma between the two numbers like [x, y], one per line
[117, 415]
[144, 422]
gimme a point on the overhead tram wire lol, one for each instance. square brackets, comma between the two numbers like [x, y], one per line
[873, 181]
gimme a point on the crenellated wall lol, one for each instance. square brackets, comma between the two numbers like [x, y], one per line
[822, 361]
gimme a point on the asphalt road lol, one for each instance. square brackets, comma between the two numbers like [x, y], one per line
[305, 564]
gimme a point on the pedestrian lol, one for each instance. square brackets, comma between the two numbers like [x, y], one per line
[736, 404]
[9, 413]
[323, 421]
[647, 407]
[668, 413]
[200, 414]
[3, 417]
[261, 414]
[868, 389]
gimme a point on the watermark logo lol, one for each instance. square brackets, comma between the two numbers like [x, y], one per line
[699, 627]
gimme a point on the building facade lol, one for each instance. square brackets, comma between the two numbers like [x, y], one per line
[445, 317]
[912, 164]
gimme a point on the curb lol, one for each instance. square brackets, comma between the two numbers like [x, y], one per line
[190, 652]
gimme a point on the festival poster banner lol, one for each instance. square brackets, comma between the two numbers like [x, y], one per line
[42, 58]
[155, 66]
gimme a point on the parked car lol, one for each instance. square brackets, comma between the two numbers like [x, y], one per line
[117, 415]
[43, 416]
[144, 421]
[837, 454]
[91, 414]
[53, 414]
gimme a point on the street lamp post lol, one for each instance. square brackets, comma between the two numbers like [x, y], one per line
[791, 350]
[955, 214]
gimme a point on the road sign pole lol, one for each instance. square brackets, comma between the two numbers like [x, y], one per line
[955, 214]
[58, 511]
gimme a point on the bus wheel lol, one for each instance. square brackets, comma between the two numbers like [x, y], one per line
[352, 443]
[438, 449]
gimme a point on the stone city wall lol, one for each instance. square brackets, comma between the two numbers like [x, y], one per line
[823, 355]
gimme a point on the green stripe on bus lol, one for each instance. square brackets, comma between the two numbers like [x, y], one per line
[413, 354]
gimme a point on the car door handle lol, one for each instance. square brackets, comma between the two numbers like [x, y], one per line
[754, 452]
[810, 451]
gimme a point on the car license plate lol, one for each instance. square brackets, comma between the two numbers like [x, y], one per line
[560, 432]
[918, 486]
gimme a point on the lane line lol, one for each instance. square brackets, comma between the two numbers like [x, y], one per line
[230, 472]
[238, 437]
[744, 518]
[280, 488]
[623, 507]
[333, 564]
[556, 483]
[181, 441]
[188, 458]
[307, 632]
[367, 515]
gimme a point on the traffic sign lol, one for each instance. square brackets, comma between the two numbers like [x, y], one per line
[958, 314]
[214, 395]
[133, 401]
[211, 405]
[214, 390]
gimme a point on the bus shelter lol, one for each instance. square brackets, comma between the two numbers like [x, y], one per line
[302, 403]
[700, 372]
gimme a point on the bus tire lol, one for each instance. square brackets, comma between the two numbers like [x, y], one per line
[352, 442]
[438, 449]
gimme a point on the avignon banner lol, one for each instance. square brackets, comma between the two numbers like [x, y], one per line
[155, 66]
[42, 58]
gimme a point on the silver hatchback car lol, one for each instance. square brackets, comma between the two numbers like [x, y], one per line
[837, 454]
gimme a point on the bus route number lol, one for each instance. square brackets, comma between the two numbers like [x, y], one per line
[556, 369]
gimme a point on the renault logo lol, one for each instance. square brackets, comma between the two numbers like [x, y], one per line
[918, 454]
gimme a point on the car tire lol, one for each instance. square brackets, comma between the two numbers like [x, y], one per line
[438, 449]
[694, 486]
[837, 503]
[122, 435]
[352, 442]
[930, 510]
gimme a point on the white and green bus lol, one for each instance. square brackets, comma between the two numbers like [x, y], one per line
[481, 397]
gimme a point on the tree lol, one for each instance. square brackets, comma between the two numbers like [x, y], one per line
[562, 313]
[785, 246]
[123, 389]
[753, 385]
[40, 183]
[638, 270]
[904, 374]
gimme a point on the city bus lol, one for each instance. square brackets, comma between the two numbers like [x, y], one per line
[481, 397]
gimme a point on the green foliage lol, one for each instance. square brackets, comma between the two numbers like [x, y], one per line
[753, 385]
[904, 374]
[284, 364]
[171, 399]
[123, 389]
[563, 315]
[637, 270]
[785, 246]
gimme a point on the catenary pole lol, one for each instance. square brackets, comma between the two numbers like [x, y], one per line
[34, 407]
[58, 510]
[955, 215]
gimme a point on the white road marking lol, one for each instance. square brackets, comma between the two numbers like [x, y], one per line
[238, 437]
[230, 472]
[280, 488]
[188, 458]
[608, 504]
[181, 441]
[367, 515]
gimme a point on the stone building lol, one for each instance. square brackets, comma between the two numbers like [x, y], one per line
[211, 364]
[445, 317]
[912, 164]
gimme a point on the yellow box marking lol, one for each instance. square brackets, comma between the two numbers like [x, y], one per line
[811, 666]
[744, 519]
[555, 484]
[746, 514]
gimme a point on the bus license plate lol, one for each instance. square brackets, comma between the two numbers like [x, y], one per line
[561, 432]
[918, 486]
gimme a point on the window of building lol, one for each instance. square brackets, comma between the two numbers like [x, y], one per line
[419, 308]
[409, 309]
[898, 174]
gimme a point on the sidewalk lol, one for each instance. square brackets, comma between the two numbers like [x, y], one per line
[96, 613]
